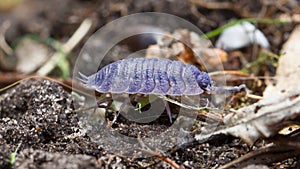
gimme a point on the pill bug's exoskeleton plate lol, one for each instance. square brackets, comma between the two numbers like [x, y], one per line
[149, 76]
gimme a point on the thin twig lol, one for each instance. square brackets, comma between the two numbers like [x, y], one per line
[146, 149]
[184, 105]
[229, 72]
[238, 8]
[66, 48]
[273, 153]
[26, 77]
[200, 16]
[3, 44]
[252, 96]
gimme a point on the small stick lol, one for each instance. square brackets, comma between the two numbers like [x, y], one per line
[252, 96]
[3, 44]
[159, 155]
[67, 47]
[46, 78]
[184, 105]
[230, 72]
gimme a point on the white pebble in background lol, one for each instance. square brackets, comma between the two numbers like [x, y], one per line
[241, 35]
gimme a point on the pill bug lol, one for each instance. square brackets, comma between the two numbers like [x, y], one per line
[149, 76]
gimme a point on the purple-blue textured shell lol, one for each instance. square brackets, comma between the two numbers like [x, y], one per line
[149, 76]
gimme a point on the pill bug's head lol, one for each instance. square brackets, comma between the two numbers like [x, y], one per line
[204, 81]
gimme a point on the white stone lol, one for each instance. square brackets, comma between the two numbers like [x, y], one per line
[241, 35]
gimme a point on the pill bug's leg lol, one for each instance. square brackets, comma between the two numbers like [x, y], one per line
[99, 105]
[125, 102]
[190, 101]
[121, 108]
[201, 102]
[168, 110]
[107, 100]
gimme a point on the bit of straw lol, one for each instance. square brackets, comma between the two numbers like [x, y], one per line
[252, 96]
[162, 157]
[3, 44]
[66, 48]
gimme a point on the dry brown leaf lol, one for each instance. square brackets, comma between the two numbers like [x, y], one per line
[189, 48]
[279, 107]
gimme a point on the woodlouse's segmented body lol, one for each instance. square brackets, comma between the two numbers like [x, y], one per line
[149, 76]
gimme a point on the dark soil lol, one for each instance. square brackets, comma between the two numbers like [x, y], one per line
[39, 115]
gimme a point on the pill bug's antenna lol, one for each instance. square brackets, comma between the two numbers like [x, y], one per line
[82, 78]
[241, 87]
[216, 90]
